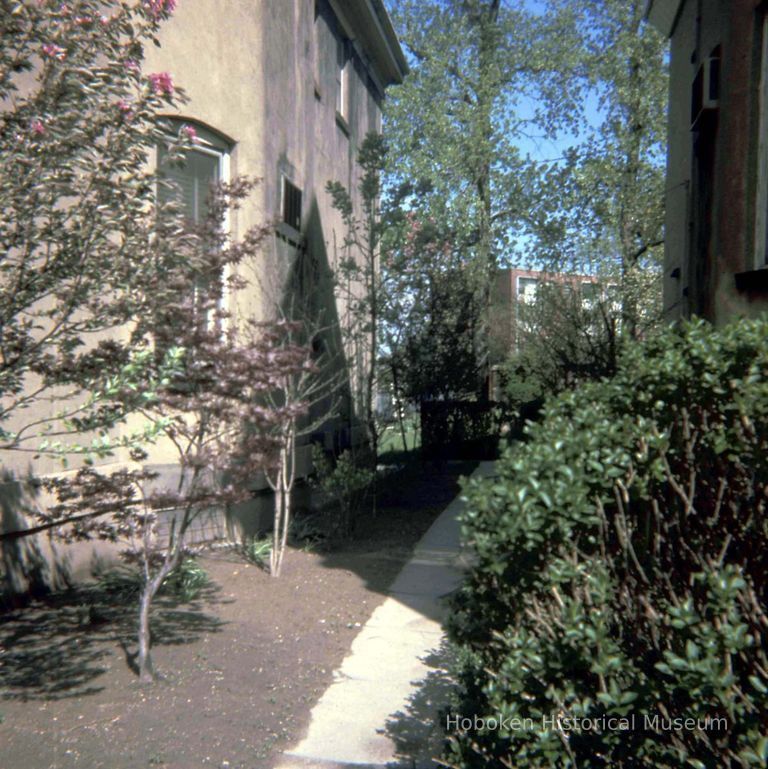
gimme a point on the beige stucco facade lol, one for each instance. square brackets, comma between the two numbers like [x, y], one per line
[264, 78]
[717, 169]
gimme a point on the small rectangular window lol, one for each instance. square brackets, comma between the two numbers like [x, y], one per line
[527, 289]
[291, 204]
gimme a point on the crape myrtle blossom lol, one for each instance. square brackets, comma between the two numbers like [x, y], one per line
[161, 83]
[189, 133]
[54, 51]
[126, 110]
[159, 7]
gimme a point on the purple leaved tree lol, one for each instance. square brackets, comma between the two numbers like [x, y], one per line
[217, 414]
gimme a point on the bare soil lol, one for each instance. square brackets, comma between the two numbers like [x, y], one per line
[242, 665]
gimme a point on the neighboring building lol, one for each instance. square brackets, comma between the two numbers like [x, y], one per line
[517, 290]
[283, 91]
[717, 170]
[515, 308]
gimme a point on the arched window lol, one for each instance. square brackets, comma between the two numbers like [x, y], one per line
[203, 165]
[188, 181]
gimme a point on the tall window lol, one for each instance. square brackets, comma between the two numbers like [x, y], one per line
[342, 77]
[188, 182]
[191, 178]
[527, 291]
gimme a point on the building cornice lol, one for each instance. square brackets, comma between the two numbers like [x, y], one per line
[663, 14]
[368, 23]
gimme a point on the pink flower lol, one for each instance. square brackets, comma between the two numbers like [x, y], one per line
[37, 127]
[161, 83]
[157, 7]
[54, 51]
[189, 132]
[125, 109]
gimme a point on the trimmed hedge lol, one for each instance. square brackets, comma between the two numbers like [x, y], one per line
[622, 569]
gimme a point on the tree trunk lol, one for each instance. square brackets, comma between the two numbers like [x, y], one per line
[286, 527]
[374, 321]
[397, 399]
[283, 487]
[274, 555]
[144, 661]
[486, 19]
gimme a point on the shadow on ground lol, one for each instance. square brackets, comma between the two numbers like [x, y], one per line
[57, 647]
[410, 497]
[418, 732]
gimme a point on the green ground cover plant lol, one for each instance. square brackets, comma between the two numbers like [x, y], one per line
[621, 570]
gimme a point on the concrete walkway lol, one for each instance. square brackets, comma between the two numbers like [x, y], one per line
[381, 709]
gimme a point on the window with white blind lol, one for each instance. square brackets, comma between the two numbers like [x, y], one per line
[190, 179]
[342, 77]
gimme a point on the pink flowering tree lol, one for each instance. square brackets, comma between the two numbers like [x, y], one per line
[108, 309]
[217, 413]
[82, 250]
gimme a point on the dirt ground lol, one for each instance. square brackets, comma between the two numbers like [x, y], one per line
[242, 665]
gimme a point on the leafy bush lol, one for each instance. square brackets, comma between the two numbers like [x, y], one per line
[306, 532]
[183, 584]
[186, 581]
[621, 569]
[257, 551]
[343, 480]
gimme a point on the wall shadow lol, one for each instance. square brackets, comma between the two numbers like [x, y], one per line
[28, 565]
[309, 298]
[58, 646]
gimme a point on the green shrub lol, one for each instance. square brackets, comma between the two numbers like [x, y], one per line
[184, 583]
[257, 551]
[621, 569]
[187, 580]
[343, 479]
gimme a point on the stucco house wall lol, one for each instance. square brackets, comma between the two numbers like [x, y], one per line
[262, 77]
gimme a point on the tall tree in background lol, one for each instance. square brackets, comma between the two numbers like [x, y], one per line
[480, 67]
[429, 312]
[600, 210]
[493, 85]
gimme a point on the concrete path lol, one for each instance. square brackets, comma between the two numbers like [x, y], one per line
[381, 709]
